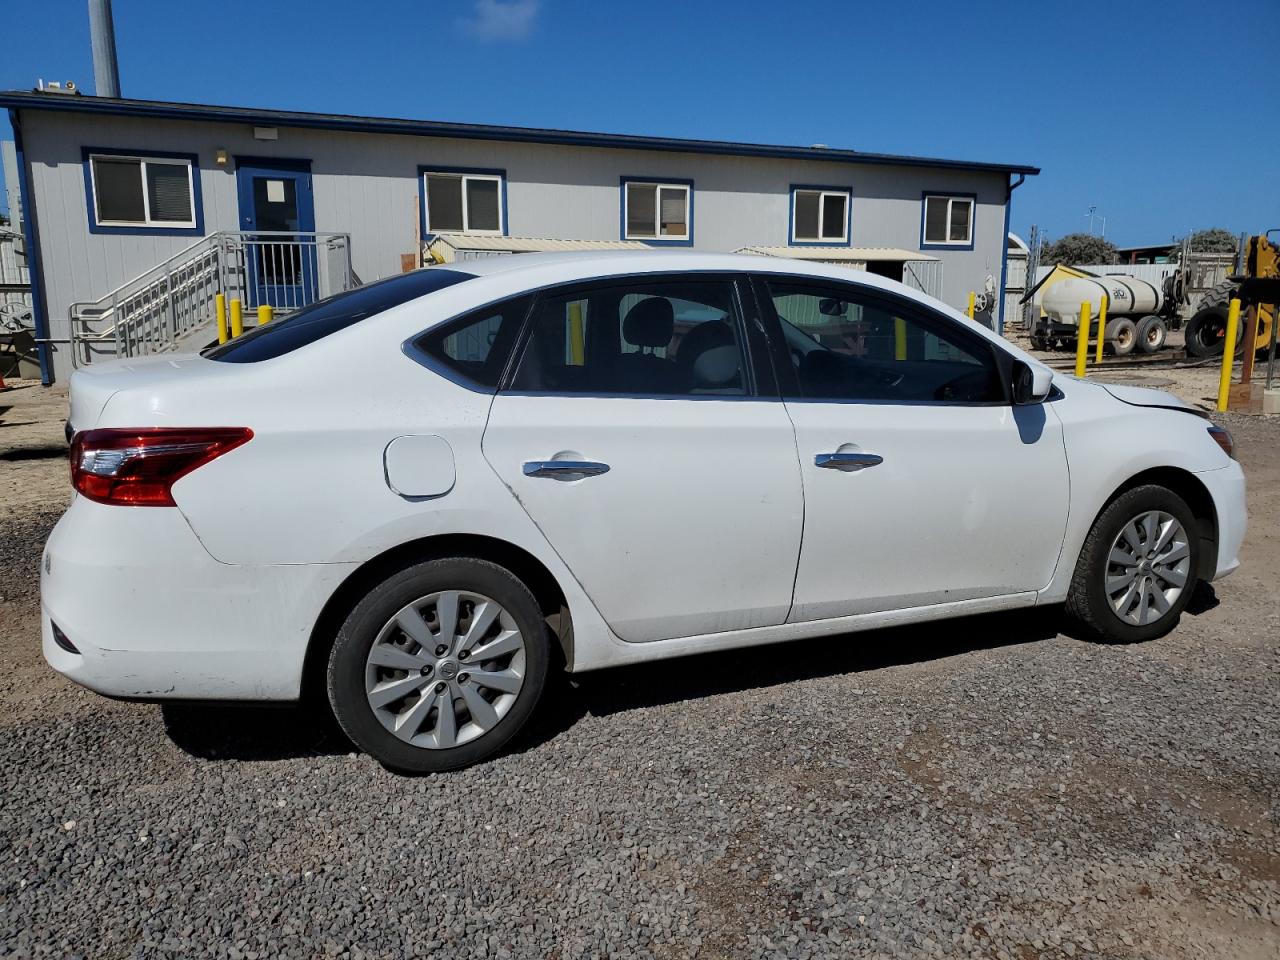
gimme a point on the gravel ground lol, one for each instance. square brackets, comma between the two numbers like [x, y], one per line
[986, 787]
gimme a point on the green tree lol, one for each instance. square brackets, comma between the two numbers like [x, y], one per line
[1214, 240]
[1083, 248]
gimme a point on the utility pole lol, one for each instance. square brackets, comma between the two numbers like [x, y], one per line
[102, 34]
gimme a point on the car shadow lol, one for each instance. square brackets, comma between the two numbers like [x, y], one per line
[638, 686]
[252, 732]
[229, 731]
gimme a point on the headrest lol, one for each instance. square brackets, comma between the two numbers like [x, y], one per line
[716, 367]
[649, 323]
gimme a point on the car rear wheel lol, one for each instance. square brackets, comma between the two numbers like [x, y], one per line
[1137, 568]
[440, 665]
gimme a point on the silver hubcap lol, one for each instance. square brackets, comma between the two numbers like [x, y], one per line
[445, 669]
[1148, 568]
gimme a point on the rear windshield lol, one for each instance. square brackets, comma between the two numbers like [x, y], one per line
[331, 315]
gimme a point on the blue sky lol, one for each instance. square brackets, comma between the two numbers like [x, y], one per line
[1144, 110]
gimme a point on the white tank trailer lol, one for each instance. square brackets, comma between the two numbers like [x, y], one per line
[1139, 313]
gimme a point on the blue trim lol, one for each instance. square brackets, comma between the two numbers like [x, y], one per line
[653, 241]
[424, 169]
[32, 244]
[470, 131]
[1004, 259]
[848, 215]
[973, 220]
[197, 201]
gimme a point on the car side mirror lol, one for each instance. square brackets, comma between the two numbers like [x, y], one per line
[1030, 384]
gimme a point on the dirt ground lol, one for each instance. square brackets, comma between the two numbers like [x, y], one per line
[1007, 792]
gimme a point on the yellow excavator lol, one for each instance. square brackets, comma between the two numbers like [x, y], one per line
[1257, 260]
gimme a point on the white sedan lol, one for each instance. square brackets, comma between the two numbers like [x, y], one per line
[420, 497]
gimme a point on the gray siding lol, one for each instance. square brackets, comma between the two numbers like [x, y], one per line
[366, 185]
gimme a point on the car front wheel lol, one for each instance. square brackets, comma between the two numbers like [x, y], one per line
[440, 665]
[1137, 568]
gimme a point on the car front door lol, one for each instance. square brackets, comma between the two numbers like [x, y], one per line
[642, 432]
[923, 484]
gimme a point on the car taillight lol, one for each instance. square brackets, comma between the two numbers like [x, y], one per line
[1223, 439]
[138, 467]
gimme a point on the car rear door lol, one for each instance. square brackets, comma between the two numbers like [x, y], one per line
[641, 430]
[923, 484]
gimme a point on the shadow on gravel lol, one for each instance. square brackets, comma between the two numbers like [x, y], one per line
[33, 453]
[232, 732]
[690, 678]
[1203, 599]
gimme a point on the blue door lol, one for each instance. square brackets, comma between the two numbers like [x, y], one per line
[275, 208]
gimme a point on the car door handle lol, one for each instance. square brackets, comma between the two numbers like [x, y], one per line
[848, 462]
[564, 469]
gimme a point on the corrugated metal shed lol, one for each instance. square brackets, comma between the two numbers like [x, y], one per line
[847, 255]
[450, 247]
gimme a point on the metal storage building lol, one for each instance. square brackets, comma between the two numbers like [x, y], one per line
[148, 206]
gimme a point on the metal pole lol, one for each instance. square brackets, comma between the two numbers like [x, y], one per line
[1102, 326]
[102, 34]
[1271, 346]
[1082, 337]
[1228, 353]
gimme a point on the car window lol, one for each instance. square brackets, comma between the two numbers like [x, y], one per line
[332, 314]
[642, 337]
[477, 346]
[847, 345]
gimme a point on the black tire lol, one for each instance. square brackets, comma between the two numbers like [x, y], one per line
[1152, 334]
[1206, 332]
[1122, 335]
[348, 661]
[1087, 602]
[1219, 295]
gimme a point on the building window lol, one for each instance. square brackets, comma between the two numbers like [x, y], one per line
[656, 211]
[464, 201]
[143, 192]
[948, 221]
[819, 215]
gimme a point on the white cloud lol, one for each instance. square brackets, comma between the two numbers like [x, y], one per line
[501, 19]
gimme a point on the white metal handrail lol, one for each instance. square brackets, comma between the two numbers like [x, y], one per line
[174, 299]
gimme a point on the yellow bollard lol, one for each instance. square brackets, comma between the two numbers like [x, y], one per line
[237, 318]
[1102, 328]
[973, 299]
[1082, 338]
[220, 308]
[1228, 354]
[899, 338]
[577, 345]
[264, 314]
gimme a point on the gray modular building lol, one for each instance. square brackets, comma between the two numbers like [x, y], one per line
[136, 211]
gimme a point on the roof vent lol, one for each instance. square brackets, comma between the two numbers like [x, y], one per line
[53, 86]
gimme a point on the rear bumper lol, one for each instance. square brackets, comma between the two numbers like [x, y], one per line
[153, 616]
[1227, 488]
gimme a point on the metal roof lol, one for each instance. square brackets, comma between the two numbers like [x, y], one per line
[839, 254]
[59, 102]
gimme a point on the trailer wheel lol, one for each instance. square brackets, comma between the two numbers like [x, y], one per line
[1152, 334]
[1122, 334]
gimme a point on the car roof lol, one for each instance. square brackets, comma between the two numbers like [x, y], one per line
[546, 268]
